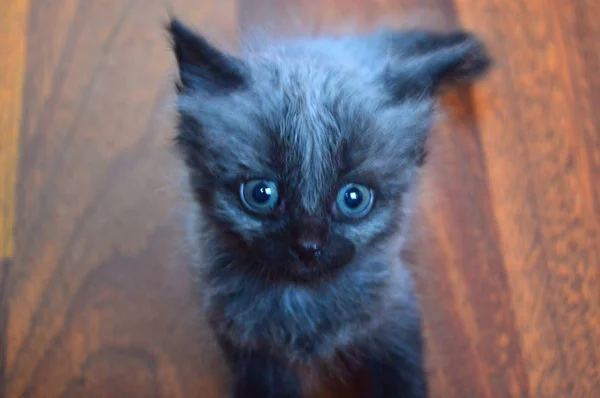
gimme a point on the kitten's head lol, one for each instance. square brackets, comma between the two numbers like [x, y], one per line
[300, 154]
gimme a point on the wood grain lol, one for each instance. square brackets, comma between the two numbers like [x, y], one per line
[12, 68]
[96, 299]
[544, 192]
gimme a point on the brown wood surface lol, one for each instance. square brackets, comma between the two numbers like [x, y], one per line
[95, 297]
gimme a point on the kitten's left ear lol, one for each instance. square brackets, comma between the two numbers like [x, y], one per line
[202, 65]
[425, 61]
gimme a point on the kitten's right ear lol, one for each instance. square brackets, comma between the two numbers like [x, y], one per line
[431, 61]
[202, 65]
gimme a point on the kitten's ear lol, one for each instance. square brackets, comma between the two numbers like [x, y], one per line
[429, 61]
[201, 65]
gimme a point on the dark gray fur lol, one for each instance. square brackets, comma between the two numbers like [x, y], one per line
[313, 114]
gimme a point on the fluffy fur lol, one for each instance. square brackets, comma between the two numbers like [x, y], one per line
[312, 114]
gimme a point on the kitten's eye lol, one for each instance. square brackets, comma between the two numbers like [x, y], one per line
[259, 196]
[354, 200]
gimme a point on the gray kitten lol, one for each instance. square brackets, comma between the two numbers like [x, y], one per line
[302, 156]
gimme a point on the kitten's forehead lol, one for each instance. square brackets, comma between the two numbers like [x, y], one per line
[325, 120]
[315, 117]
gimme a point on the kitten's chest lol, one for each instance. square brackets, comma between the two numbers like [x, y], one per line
[299, 324]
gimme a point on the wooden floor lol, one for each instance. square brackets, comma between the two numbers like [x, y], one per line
[95, 297]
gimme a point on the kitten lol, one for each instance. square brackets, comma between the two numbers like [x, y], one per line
[302, 156]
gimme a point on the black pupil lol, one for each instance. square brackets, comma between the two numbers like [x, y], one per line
[353, 197]
[261, 193]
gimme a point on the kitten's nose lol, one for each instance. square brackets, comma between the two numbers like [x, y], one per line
[308, 239]
[307, 250]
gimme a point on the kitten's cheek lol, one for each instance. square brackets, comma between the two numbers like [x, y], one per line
[338, 254]
[344, 258]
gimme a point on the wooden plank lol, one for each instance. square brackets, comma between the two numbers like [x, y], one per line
[538, 147]
[461, 267]
[12, 68]
[98, 302]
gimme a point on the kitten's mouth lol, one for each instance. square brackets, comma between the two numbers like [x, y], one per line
[306, 269]
[311, 272]
[307, 273]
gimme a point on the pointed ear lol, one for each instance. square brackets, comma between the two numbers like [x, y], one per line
[201, 65]
[428, 61]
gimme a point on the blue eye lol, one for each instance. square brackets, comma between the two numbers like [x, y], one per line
[354, 200]
[260, 196]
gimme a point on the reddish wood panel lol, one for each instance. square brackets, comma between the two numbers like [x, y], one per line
[96, 297]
